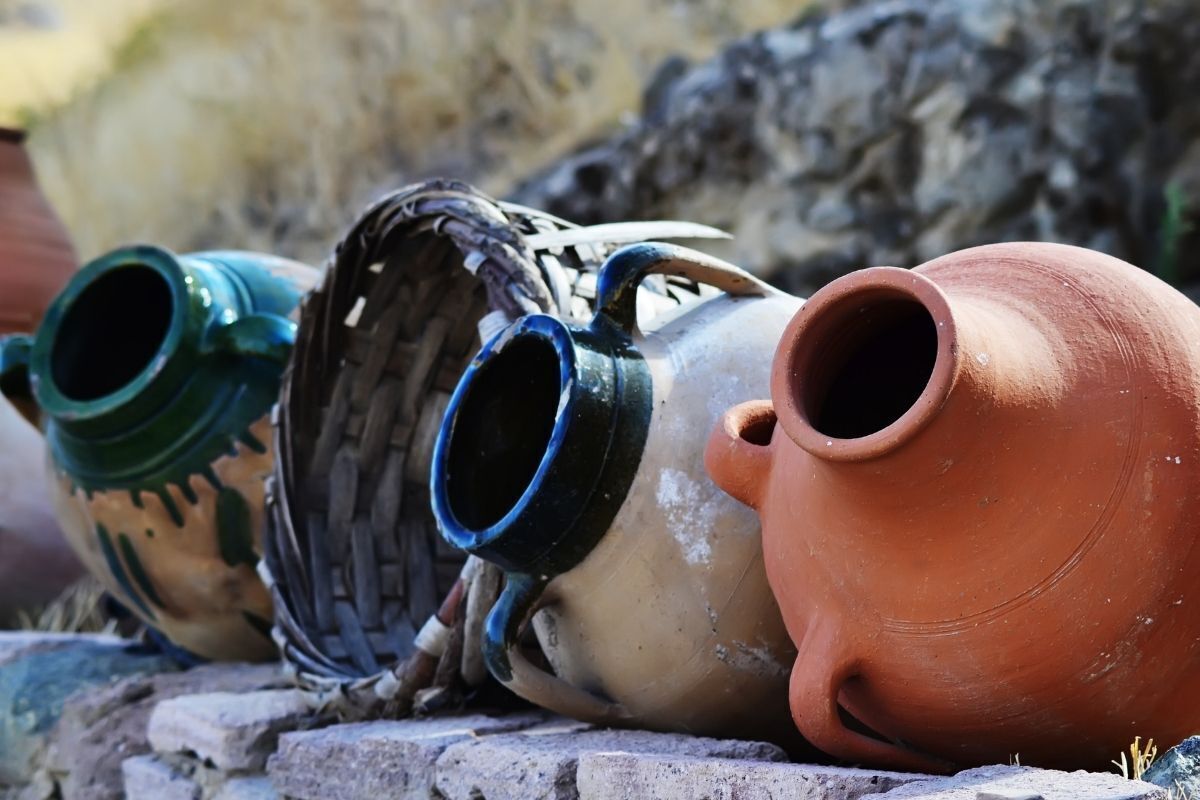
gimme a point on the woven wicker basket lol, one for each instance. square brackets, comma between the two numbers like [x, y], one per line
[373, 611]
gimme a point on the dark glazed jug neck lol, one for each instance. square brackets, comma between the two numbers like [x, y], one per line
[540, 443]
[144, 352]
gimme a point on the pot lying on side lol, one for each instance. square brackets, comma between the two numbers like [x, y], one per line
[980, 509]
[155, 375]
[572, 457]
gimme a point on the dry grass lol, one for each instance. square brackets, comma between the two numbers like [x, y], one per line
[268, 124]
[77, 610]
[1140, 759]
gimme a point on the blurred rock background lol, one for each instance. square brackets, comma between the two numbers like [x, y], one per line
[827, 136]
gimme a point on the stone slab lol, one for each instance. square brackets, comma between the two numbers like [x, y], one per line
[1022, 782]
[257, 787]
[634, 776]
[232, 731]
[375, 760]
[150, 778]
[102, 727]
[541, 762]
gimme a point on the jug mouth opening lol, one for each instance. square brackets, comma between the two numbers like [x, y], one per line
[109, 334]
[503, 430]
[865, 364]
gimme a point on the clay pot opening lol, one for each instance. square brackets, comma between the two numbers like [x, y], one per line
[874, 360]
[111, 332]
[502, 431]
[758, 428]
[865, 364]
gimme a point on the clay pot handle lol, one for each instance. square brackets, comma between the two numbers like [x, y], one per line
[817, 679]
[14, 365]
[264, 336]
[505, 661]
[616, 287]
[738, 454]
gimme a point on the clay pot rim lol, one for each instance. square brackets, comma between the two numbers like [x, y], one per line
[12, 135]
[798, 347]
[49, 396]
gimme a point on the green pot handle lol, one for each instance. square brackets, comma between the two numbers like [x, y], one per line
[623, 272]
[502, 654]
[14, 365]
[266, 336]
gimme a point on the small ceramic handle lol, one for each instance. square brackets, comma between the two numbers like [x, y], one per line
[14, 365]
[509, 666]
[616, 287]
[736, 458]
[822, 668]
[257, 335]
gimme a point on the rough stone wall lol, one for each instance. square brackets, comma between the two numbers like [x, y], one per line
[898, 131]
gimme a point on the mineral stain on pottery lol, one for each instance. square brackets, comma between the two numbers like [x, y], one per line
[569, 456]
[974, 521]
[156, 374]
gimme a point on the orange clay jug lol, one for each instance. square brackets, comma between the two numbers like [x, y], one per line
[980, 507]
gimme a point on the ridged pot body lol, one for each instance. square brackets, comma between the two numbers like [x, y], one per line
[671, 615]
[156, 391]
[36, 256]
[1009, 566]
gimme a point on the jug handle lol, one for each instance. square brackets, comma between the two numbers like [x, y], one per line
[616, 287]
[14, 365]
[266, 336]
[519, 600]
[737, 464]
[822, 669]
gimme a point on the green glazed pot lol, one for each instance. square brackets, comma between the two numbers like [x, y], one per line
[155, 375]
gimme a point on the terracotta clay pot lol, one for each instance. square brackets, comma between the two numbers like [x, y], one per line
[568, 456]
[155, 375]
[36, 563]
[979, 505]
[36, 257]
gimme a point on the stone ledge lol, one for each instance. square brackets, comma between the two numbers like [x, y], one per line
[1020, 783]
[374, 760]
[232, 731]
[541, 762]
[634, 776]
[151, 778]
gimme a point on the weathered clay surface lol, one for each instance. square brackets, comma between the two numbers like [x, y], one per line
[898, 131]
[233, 731]
[540, 763]
[371, 760]
[1026, 782]
[634, 776]
[100, 729]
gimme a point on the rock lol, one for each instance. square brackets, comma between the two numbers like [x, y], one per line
[1178, 769]
[35, 681]
[894, 132]
[233, 731]
[150, 778]
[373, 760]
[1022, 782]
[101, 728]
[251, 788]
[540, 762]
[630, 776]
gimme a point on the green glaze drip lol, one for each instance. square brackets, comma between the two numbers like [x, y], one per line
[250, 440]
[234, 531]
[188, 492]
[118, 570]
[140, 577]
[209, 474]
[149, 533]
[258, 623]
[169, 504]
